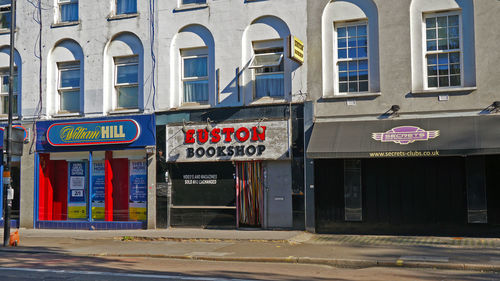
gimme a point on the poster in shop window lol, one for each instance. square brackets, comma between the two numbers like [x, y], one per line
[138, 190]
[77, 204]
[97, 195]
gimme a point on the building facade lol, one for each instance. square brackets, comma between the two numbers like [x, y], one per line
[145, 114]
[405, 136]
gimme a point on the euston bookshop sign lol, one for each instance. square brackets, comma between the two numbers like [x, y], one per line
[93, 132]
[241, 141]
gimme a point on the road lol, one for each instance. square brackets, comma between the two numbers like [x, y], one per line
[57, 266]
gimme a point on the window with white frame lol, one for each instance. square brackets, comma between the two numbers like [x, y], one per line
[5, 13]
[4, 91]
[443, 50]
[268, 72]
[124, 7]
[68, 86]
[68, 10]
[187, 2]
[127, 82]
[195, 76]
[352, 57]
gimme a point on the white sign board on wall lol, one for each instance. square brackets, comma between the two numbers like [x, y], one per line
[267, 140]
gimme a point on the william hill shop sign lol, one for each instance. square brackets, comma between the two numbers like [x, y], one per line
[228, 141]
[93, 133]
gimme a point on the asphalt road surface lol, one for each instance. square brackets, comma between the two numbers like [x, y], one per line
[55, 267]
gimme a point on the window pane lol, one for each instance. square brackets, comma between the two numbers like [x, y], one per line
[432, 70]
[70, 78]
[443, 70]
[441, 21]
[351, 31]
[431, 34]
[455, 80]
[453, 32]
[363, 86]
[342, 43]
[342, 66]
[127, 74]
[353, 87]
[353, 76]
[352, 53]
[185, 2]
[128, 97]
[431, 59]
[353, 65]
[5, 105]
[454, 43]
[200, 64]
[362, 30]
[196, 91]
[455, 57]
[343, 76]
[363, 64]
[70, 101]
[69, 12]
[443, 59]
[443, 81]
[5, 19]
[341, 32]
[442, 33]
[5, 83]
[430, 22]
[453, 20]
[442, 44]
[352, 42]
[342, 53]
[363, 75]
[197, 67]
[126, 7]
[362, 41]
[431, 45]
[432, 82]
[269, 85]
[362, 52]
[343, 87]
[455, 68]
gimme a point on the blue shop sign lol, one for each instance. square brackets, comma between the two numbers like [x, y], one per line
[130, 131]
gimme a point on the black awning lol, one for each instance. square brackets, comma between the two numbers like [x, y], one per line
[446, 136]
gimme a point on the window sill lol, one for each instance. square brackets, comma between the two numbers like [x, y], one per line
[65, 23]
[66, 114]
[124, 111]
[353, 96]
[194, 105]
[6, 30]
[5, 117]
[190, 7]
[122, 16]
[268, 100]
[444, 91]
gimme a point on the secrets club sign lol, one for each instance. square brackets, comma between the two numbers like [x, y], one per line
[239, 141]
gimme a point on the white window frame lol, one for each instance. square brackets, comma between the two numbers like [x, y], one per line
[201, 78]
[336, 71]
[255, 67]
[4, 72]
[122, 61]
[61, 3]
[6, 9]
[62, 66]
[437, 52]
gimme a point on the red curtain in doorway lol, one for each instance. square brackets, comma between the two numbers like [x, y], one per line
[116, 188]
[249, 192]
[52, 189]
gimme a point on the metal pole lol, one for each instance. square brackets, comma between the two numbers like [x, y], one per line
[8, 192]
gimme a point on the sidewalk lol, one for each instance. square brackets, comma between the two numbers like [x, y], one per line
[271, 246]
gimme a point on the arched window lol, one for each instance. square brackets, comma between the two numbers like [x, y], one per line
[193, 67]
[442, 45]
[267, 70]
[350, 48]
[124, 74]
[4, 81]
[65, 78]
